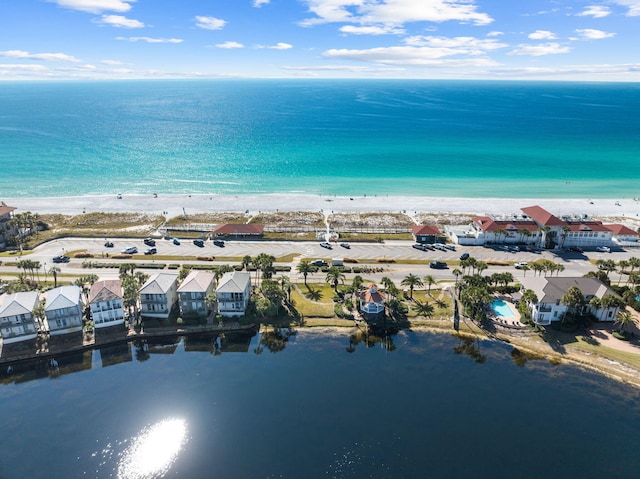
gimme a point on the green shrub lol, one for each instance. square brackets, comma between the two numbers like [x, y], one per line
[619, 335]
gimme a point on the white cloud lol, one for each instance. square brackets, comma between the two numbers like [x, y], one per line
[96, 6]
[633, 5]
[456, 45]
[18, 66]
[259, 3]
[150, 40]
[495, 34]
[50, 57]
[111, 62]
[592, 34]
[281, 46]
[540, 49]
[120, 21]
[210, 23]
[542, 35]
[394, 12]
[595, 11]
[372, 30]
[407, 55]
[230, 45]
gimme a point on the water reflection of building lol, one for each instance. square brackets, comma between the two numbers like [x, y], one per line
[115, 354]
[236, 342]
[201, 343]
[164, 345]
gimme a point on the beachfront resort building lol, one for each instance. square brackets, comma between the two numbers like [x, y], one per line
[106, 303]
[372, 303]
[17, 322]
[538, 227]
[193, 292]
[158, 295]
[551, 290]
[233, 292]
[7, 229]
[63, 309]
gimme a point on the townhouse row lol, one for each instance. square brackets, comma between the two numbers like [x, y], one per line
[60, 310]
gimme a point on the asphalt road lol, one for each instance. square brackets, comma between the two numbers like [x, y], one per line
[575, 264]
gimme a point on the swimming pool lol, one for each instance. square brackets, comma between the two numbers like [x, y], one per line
[502, 309]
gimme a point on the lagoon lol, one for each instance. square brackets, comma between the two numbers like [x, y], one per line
[318, 403]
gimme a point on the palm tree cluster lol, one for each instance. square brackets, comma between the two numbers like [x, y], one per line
[474, 294]
[25, 223]
[544, 266]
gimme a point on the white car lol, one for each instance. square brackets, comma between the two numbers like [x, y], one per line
[521, 265]
[603, 249]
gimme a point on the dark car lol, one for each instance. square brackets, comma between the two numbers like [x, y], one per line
[345, 245]
[149, 242]
[218, 242]
[61, 259]
[108, 244]
[464, 256]
[151, 251]
[438, 265]
[576, 249]
[319, 263]
[199, 243]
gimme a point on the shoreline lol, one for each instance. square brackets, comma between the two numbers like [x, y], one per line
[180, 204]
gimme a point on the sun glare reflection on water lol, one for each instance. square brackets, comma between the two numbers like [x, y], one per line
[154, 450]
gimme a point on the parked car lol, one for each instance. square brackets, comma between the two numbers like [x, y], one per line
[219, 243]
[521, 264]
[464, 256]
[603, 249]
[438, 265]
[576, 249]
[176, 241]
[439, 246]
[319, 263]
[515, 249]
[199, 243]
[149, 241]
[345, 245]
[450, 247]
[108, 244]
[151, 251]
[419, 246]
[324, 244]
[61, 259]
[131, 250]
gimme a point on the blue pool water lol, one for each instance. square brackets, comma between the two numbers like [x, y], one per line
[502, 309]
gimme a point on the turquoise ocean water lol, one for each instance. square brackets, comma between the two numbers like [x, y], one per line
[418, 138]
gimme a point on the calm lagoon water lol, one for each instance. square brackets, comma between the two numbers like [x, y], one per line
[414, 405]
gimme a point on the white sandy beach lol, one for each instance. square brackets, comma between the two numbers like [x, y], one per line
[176, 205]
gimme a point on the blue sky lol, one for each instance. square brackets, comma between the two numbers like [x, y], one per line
[457, 39]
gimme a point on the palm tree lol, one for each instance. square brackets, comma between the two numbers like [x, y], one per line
[286, 286]
[334, 276]
[411, 281]
[387, 283]
[55, 270]
[625, 320]
[429, 280]
[211, 301]
[304, 268]
[246, 261]
[634, 263]
[574, 299]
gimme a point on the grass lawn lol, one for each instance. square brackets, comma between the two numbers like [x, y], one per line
[442, 308]
[314, 300]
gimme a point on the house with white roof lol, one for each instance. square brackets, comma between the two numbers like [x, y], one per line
[158, 295]
[63, 309]
[551, 290]
[372, 302]
[106, 303]
[233, 292]
[17, 322]
[193, 292]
